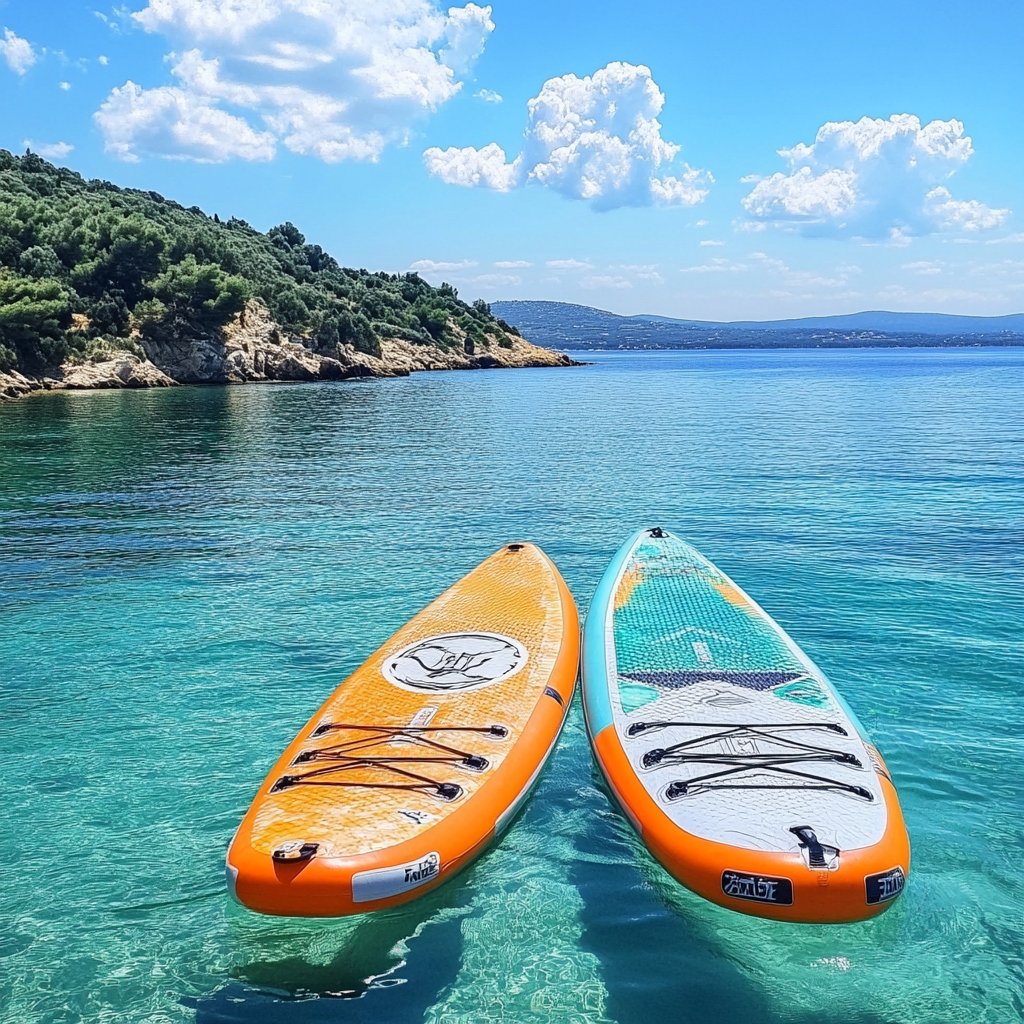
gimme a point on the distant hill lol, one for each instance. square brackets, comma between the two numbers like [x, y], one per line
[567, 325]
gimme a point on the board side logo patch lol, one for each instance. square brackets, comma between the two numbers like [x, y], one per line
[383, 883]
[884, 886]
[455, 662]
[757, 888]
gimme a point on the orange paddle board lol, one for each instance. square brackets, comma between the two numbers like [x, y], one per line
[417, 763]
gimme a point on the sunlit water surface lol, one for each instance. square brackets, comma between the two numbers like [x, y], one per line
[185, 575]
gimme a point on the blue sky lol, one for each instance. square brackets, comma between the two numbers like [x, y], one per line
[728, 161]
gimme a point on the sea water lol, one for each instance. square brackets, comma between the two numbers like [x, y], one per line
[186, 574]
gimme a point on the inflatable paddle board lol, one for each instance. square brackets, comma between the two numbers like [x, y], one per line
[421, 758]
[742, 769]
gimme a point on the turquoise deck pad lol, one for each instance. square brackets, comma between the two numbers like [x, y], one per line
[679, 627]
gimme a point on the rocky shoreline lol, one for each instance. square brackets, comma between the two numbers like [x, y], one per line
[253, 348]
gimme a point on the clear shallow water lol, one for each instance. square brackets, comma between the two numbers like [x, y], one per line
[185, 574]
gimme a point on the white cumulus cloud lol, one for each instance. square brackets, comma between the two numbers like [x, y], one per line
[967, 215]
[872, 178]
[595, 138]
[176, 124]
[17, 52]
[465, 35]
[333, 79]
[473, 168]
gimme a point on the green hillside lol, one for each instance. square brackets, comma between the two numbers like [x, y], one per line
[86, 266]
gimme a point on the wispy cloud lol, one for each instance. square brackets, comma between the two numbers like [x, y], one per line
[780, 280]
[490, 282]
[119, 20]
[897, 238]
[440, 266]
[926, 268]
[602, 281]
[1010, 270]
[568, 265]
[640, 271]
[49, 150]
[715, 266]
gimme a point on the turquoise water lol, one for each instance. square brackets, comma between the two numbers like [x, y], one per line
[185, 574]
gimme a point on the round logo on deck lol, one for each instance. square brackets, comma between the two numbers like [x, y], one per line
[455, 661]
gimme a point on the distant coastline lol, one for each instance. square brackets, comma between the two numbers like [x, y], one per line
[898, 341]
[569, 326]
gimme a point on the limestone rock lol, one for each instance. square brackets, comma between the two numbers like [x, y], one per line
[331, 369]
[14, 385]
[292, 362]
[199, 361]
[255, 348]
[124, 370]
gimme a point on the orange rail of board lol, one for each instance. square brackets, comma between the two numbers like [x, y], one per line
[417, 762]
